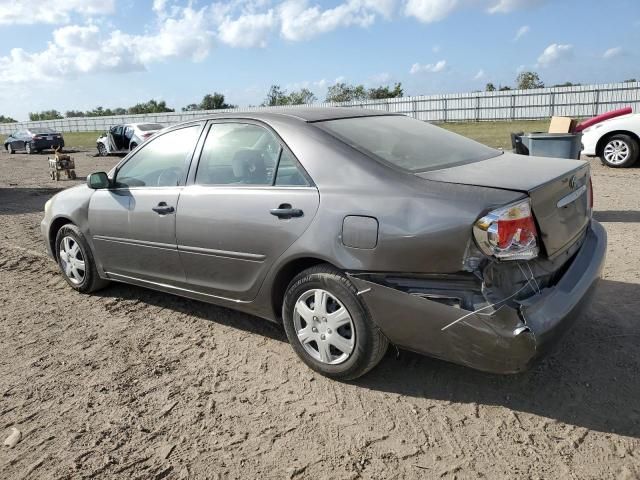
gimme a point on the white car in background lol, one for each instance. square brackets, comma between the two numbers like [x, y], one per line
[615, 141]
[125, 138]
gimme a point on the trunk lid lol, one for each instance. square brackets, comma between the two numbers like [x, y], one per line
[558, 188]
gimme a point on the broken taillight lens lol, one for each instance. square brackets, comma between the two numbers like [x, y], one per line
[508, 233]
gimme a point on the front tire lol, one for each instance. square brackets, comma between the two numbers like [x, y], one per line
[27, 148]
[102, 150]
[10, 149]
[620, 151]
[328, 327]
[76, 261]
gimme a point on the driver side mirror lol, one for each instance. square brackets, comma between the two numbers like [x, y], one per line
[98, 180]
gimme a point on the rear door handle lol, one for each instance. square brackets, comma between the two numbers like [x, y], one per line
[286, 211]
[163, 209]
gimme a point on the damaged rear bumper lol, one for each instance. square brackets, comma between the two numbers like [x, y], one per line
[504, 339]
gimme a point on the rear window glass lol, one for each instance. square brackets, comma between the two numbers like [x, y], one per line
[407, 143]
[43, 130]
[145, 127]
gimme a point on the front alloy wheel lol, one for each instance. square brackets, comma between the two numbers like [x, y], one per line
[72, 260]
[620, 151]
[27, 148]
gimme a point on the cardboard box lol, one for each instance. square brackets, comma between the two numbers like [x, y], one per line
[562, 125]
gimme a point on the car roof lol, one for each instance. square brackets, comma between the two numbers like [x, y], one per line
[305, 114]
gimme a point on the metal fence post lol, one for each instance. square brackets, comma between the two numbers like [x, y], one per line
[445, 113]
[477, 108]
[596, 103]
[513, 107]
[552, 104]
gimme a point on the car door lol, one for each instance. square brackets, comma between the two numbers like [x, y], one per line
[236, 217]
[133, 224]
[18, 142]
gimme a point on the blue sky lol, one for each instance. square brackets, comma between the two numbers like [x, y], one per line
[77, 54]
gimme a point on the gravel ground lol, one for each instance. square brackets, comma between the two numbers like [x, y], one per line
[129, 383]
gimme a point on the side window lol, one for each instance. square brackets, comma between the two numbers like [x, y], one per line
[289, 173]
[162, 162]
[238, 153]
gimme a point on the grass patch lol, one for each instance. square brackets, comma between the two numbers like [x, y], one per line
[493, 134]
[496, 134]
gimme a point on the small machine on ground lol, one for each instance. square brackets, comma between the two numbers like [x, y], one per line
[61, 163]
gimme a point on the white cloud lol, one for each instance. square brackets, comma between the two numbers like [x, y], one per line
[299, 21]
[247, 30]
[429, 11]
[51, 11]
[508, 6]
[84, 49]
[430, 67]
[555, 53]
[480, 75]
[522, 31]
[612, 52]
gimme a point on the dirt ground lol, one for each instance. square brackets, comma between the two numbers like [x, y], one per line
[129, 383]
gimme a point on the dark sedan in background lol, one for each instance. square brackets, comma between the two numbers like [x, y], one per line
[351, 227]
[34, 140]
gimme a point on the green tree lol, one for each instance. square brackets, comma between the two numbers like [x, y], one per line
[4, 119]
[385, 92]
[214, 102]
[152, 106]
[45, 115]
[192, 107]
[343, 92]
[631, 80]
[504, 88]
[529, 80]
[275, 96]
[74, 114]
[490, 87]
[300, 97]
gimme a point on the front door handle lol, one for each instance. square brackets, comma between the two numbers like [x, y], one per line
[163, 209]
[286, 211]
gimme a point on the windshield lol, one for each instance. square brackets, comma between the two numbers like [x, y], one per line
[145, 127]
[407, 143]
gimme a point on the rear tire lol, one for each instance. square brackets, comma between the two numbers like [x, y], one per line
[619, 151]
[27, 148]
[76, 261]
[340, 340]
[10, 149]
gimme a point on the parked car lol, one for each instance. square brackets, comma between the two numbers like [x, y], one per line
[34, 140]
[125, 138]
[615, 141]
[351, 227]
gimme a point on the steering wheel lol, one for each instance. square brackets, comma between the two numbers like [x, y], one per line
[169, 177]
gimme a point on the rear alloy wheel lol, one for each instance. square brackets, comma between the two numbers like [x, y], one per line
[328, 327]
[75, 260]
[27, 147]
[102, 150]
[620, 151]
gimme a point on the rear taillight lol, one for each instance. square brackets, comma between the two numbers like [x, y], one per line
[508, 233]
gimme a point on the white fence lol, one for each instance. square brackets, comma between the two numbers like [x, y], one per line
[577, 101]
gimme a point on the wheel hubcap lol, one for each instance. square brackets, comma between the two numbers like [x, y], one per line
[324, 327]
[71, 260]
[616, 152]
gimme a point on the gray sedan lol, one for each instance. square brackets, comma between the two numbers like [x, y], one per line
[352, 228]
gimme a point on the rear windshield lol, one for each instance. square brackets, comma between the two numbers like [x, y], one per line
[43, 130]
[145, 127]
[407, 143]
